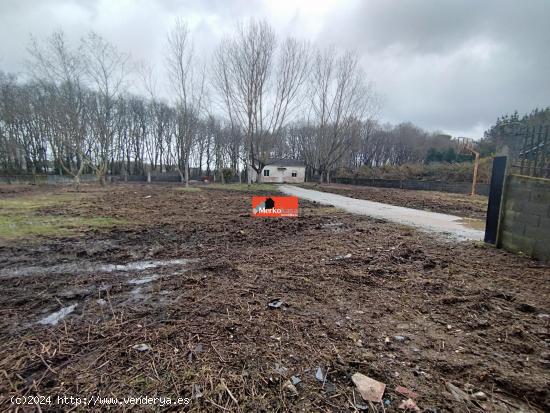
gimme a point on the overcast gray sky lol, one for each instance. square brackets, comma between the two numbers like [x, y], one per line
[444, 65]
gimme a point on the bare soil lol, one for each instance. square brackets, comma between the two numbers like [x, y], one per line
[447, 203]
[358, 295]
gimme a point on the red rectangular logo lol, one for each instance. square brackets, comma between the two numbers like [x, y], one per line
[274, 206]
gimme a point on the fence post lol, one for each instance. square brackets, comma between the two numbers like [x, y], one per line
[495, 198]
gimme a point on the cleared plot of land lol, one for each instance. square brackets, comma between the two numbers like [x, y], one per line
[443, 202]
[173, 300]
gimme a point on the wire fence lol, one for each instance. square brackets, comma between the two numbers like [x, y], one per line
[534, 156]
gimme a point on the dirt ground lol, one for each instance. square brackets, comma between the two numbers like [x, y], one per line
[349, 294]
[443, 202]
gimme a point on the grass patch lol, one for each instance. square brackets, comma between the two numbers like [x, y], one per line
[245, 187]
[21, 217]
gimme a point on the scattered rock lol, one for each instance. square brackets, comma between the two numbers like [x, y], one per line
[280, 369]
[370, 389]
[341, 257]
[458, 394]
[400, 338]
[288, 386]
[361, 406]
[197, 393]
[141, 347]
[409, 405]
[275, 303]
[406, 392]
[320, 375]
[480, 395]
[295, 380]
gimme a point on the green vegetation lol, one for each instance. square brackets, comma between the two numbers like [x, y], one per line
[448, 155]
[438, 171]
[245, 187]
[26, 217]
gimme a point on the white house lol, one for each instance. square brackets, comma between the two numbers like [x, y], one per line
[282, 170]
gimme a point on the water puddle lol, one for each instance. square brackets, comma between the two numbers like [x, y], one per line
[87, 267]
[144, 280]
[141, 265]
[136, 294]
[473, 223]
[56, 317]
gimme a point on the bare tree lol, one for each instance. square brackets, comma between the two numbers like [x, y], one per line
[59, 70]
[188, 86]
[106, 70]
[258, 83]
[340, 101]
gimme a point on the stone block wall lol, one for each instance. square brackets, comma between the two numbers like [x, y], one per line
[525, 216]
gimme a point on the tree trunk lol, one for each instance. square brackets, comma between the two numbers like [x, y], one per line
[248, 174]
[187, 173]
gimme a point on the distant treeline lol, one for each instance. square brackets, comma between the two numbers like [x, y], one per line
[261, 98]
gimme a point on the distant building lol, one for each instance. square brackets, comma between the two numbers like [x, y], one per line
[283, 170]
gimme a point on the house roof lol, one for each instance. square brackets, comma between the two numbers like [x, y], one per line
[285, 162]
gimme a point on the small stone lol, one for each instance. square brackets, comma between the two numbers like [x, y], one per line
[370, 389]
[295, 380]
[480, 395]
[400, 338]
[288, 386]
[406, 392]
[141, 347]
[409, 405]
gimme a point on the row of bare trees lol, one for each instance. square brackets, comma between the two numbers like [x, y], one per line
[256, 98]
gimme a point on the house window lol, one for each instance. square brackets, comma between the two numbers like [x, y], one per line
[294, 174]
[266, 172]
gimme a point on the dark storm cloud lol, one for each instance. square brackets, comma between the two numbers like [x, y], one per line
[443, 64]
[453, 65]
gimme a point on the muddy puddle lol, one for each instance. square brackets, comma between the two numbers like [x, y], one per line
[75, 268]
[57, 316]
[473, 223]
[144, 280]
